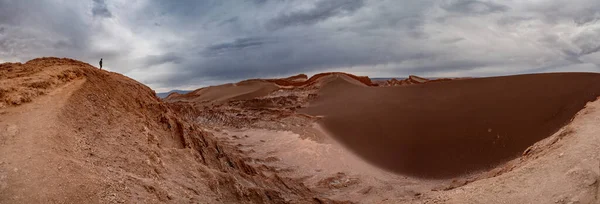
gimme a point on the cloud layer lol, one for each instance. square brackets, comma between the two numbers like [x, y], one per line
[187, 43]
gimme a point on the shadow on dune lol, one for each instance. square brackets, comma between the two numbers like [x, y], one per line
[446, 129]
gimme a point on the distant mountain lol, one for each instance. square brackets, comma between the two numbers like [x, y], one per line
[401, 78]
[165, 94]
[385, 79]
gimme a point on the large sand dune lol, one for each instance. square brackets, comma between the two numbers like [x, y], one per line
[449, 128]
[71, 133]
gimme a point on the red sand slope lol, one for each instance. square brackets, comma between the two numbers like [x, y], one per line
[216, 94]
[294, 80]
[450, 128]
[253, 88]
[412, 79]
[71, 133]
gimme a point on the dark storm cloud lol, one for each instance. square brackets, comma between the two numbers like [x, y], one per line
[322, 10]
[100, 9]
[474, 7]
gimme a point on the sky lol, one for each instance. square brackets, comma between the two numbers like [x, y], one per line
[187, 44]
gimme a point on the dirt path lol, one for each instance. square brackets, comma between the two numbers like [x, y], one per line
[27, 154]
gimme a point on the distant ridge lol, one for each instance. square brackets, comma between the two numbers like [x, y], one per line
[165, 94]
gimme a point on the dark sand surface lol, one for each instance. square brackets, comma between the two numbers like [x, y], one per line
[445, 129]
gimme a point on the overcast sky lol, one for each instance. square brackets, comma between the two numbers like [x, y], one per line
[186, 44]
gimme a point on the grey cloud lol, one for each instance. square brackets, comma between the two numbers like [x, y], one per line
[588, 41]
[228, 40]
[571, 56]
[474, 7]
[586, 50]
[100, 9]
[511, 20]
[590, 15]
[322, 10]
[452, 40]
[231, 20]
[237, 44]
[580, 12]
[454, 65]
[282, 59]
[172, 57]
[259, 1]
[56, 30]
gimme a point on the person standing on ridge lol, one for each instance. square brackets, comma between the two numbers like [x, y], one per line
[100, 63]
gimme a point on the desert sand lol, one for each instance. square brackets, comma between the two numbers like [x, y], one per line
[462, 125]
[71, 133]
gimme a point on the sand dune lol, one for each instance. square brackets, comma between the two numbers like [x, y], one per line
[70, 132]
[255, 88]
[412, 79]
[218, 94]
[450, 128]
[296, 82]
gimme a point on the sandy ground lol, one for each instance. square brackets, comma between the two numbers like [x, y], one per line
[70, 133]
[25, 140]
[564, 168]
[328, 167]
[464, 125]
[100, 137]
[300, 148]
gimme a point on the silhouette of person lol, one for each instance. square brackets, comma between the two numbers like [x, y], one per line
[100, 63]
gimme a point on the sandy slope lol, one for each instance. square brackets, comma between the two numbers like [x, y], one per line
[226, 92]
[270, 130]
[445, 129]
[29, 170]
[100, 137]
[70, 133]
[564, 168]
